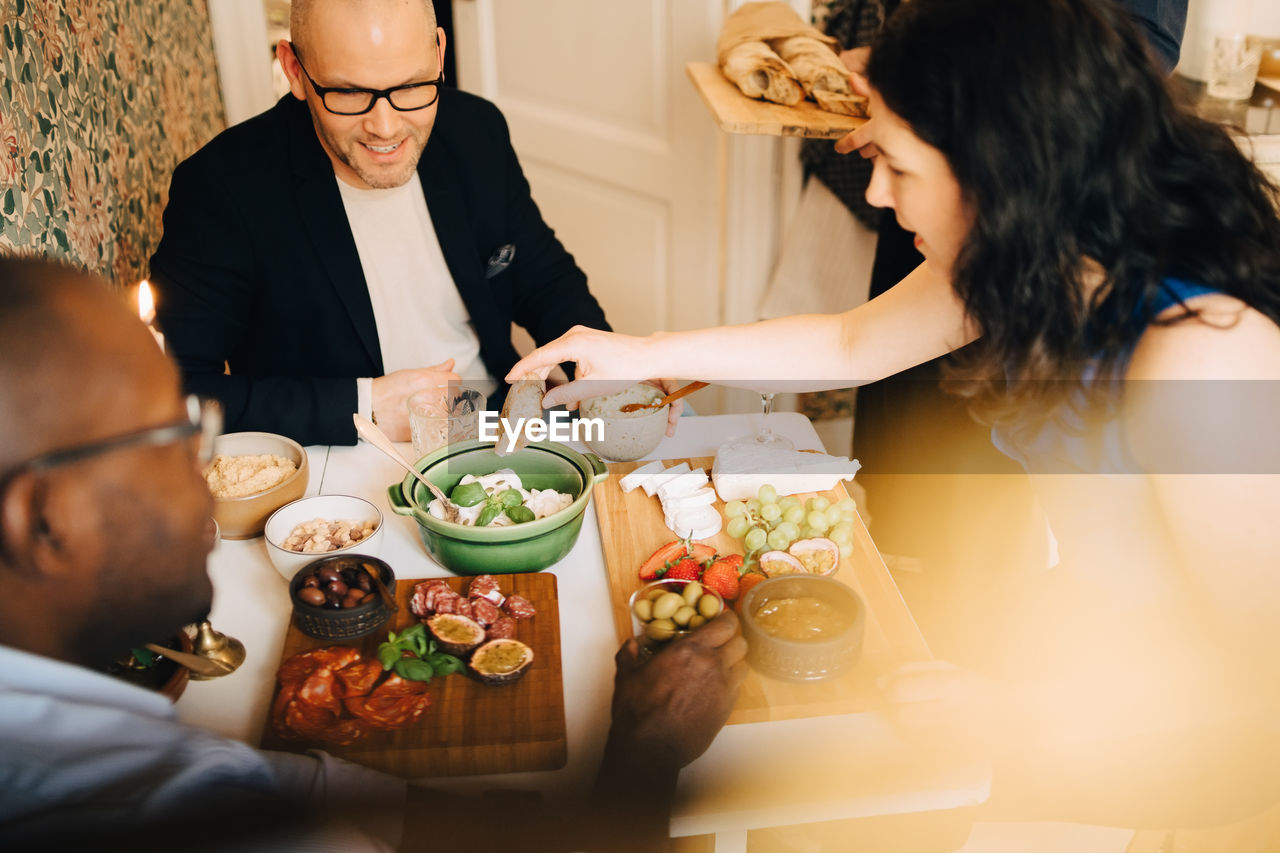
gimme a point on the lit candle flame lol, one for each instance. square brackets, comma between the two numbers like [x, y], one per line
[146, 302]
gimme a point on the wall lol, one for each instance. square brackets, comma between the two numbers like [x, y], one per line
[99, 100]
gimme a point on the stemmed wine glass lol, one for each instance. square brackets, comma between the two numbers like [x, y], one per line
[764, 436]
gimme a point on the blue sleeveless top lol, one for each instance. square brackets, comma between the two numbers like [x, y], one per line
[1066, 443]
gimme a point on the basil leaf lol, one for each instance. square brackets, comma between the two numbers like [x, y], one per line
[510, 498]
[444, 664]
[413, 632]
[520, 514]
[388, 654]
[413, 669]
[488, 514]
[468, 494]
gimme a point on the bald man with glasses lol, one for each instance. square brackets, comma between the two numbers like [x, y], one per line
[369, 236]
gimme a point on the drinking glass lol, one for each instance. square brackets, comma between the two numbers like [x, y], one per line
[444, 415]
[764, 436]
[1234, 69]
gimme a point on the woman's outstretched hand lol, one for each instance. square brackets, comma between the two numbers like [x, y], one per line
[606, 362]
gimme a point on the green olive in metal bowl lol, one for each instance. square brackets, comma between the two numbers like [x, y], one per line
[528, 547]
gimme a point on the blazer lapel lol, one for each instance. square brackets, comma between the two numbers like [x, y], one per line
[325, 221]
[451, 218]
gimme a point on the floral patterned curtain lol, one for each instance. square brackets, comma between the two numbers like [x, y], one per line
[99, 100]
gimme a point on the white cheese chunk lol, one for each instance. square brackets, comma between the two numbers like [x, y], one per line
[654, 482]
[640, 475]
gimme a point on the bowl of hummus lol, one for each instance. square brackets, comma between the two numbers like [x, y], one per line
[251, 475]
[802, 627]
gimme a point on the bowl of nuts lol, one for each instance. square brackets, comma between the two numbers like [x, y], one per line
[337, 597]
[665, 610]
[301, 531]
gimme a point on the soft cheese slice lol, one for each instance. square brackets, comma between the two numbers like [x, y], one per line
[700, 523]
[702, 497]
[683, 485]
[654, 482]
[637, 477]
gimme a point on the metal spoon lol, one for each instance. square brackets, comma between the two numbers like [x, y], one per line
[674, 395]
[203, 666]
[370, 433]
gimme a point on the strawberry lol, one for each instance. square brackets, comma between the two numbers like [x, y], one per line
[686, 568]
[656, 565]
[722, 576]
[745, 583]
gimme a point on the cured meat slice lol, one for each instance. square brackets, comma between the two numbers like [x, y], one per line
[486, 587]
[397, 686]
[318, 690]
[485, 611]
[300, 667]
[519, 607]
[503, 629]
[423, 602]
[388, 712]
[358, 678]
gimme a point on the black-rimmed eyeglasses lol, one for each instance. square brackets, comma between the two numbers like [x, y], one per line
[349, 101]
[203, 419]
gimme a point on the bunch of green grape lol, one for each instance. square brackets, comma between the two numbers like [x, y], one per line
[769, 522]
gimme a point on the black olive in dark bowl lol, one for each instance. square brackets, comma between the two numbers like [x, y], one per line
[327, 607]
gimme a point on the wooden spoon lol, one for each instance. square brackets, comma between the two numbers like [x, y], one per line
[376, 577]
[203, 666]
[370, 433]
[674, 395]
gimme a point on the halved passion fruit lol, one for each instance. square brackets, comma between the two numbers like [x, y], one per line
[501, 661]
[775, 563]
[819, 556]
[455, 634]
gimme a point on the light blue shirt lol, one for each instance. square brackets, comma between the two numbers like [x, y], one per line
[83, 747]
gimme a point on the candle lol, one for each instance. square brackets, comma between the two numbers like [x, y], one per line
[147, 311]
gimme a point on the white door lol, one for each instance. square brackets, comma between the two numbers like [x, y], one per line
[620, 152]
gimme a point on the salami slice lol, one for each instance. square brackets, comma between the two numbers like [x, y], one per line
[503, 629]
[485, 611]
[358, 678]
[423, 602]
[486, 587]
[397, 686]
[318, 691]
[519, 607]
[388, 712]
[299, 668]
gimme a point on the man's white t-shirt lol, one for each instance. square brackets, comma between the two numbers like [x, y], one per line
[420, 316]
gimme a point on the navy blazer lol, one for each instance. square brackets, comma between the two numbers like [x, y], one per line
[260, 292]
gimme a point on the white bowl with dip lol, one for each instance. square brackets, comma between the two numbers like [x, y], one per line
[802, 627]
[627, 435]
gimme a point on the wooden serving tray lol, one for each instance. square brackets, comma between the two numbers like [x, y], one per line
[631, 528]
[470, 728]
[734, 112]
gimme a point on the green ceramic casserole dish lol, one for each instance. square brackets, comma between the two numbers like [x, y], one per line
[528, 547]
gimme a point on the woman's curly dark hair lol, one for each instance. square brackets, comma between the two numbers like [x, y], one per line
[1069, 147]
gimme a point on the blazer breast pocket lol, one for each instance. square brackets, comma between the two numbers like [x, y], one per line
[500, 260]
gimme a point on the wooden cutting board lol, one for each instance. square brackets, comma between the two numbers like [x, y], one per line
[734, 112]
[470, 728]
[631, 529]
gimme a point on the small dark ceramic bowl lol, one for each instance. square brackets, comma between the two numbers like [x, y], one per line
[807, 659]
[528, 547]
[325, 623]
[165, 676]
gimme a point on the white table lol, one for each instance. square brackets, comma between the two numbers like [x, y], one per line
[877, 773]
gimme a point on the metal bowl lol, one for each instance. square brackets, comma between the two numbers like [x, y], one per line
[809, 659]
[528, 547]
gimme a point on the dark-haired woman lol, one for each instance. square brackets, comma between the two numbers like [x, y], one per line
[1118, 261]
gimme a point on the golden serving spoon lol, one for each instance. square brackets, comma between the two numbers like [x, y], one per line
[208, 667]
